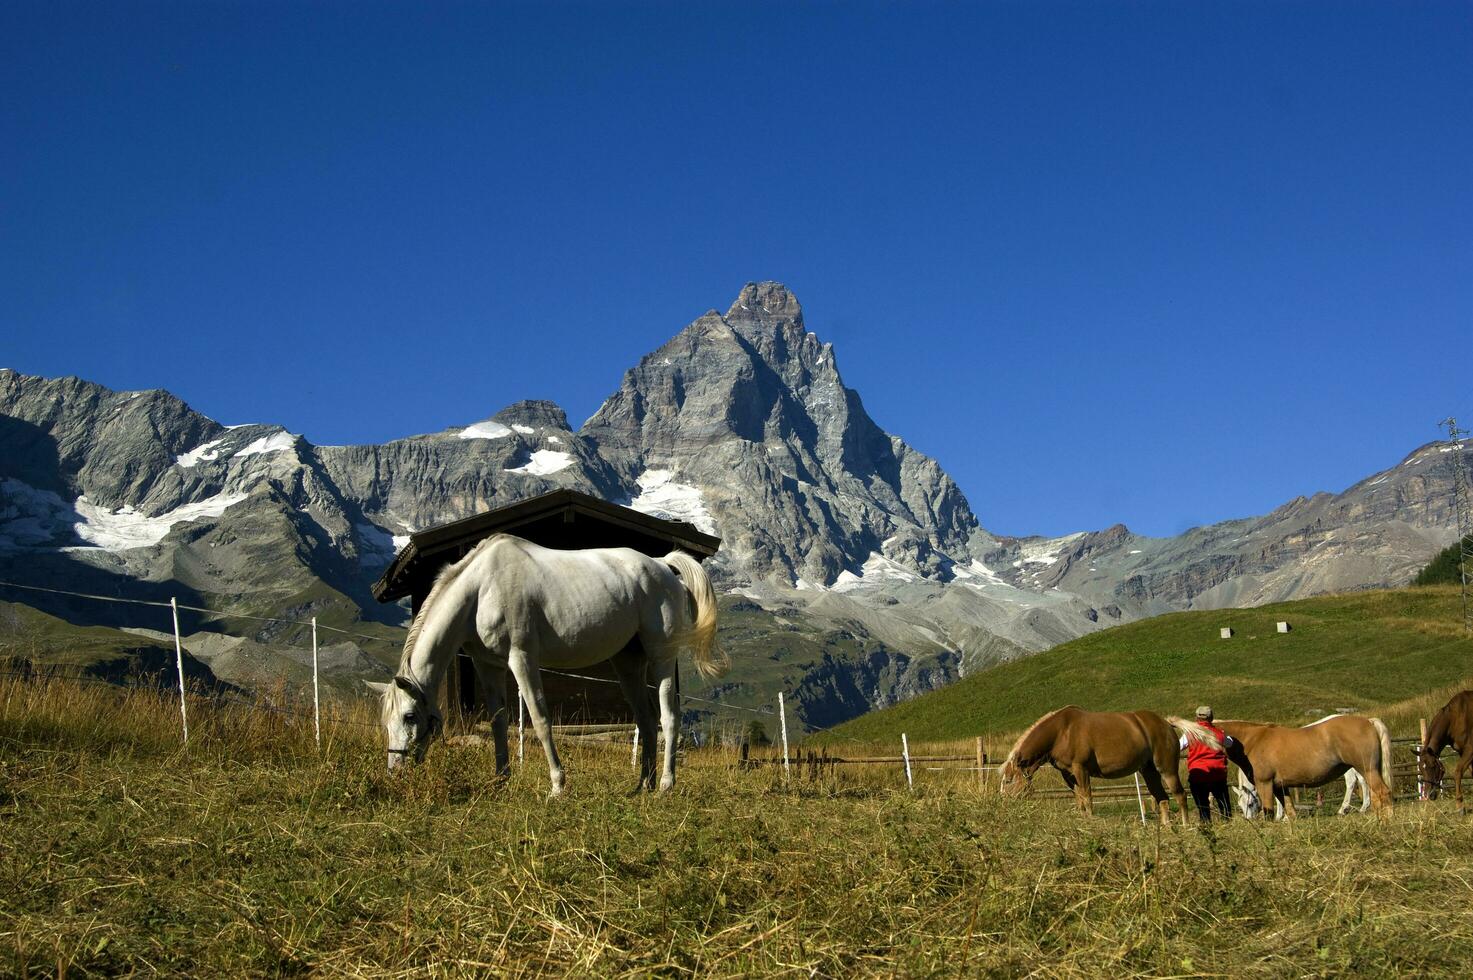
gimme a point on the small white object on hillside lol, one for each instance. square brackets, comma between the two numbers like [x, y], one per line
[274, 443]
[208, 453]
[485, 430]
[544, 462]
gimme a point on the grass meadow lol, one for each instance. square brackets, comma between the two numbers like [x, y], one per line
[251, 852]
[1389, 653]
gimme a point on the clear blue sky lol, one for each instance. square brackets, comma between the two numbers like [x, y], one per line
[1155, 263]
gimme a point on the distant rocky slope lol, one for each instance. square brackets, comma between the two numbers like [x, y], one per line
[855, 571]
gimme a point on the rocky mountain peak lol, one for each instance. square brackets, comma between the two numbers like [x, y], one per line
[536, 413]
[766, 301]
[769, 318]
[749, 407]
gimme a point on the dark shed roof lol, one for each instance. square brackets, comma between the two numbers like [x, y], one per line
[560, 519]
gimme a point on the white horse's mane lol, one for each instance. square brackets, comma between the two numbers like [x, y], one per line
[1018, 745]
[447, 575]
[1337, 714]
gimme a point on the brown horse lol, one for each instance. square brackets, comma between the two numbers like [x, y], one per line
[1081, 744]
[1276, 758]
[1452, 725]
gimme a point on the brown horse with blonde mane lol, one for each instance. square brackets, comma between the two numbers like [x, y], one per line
[1452, 725]
[1107, 745]
[1276, 758]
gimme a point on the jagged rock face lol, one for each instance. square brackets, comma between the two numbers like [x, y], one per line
[750, 408]
[114, 447]
[1376, 534]
[741, 424]
[411, 484]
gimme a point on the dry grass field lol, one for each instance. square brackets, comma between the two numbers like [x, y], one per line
[251, 853]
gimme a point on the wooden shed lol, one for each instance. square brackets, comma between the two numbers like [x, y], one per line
[561, 519]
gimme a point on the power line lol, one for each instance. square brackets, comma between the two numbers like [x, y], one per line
[201, 609]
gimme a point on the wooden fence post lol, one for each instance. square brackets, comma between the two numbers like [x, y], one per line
[981, 770]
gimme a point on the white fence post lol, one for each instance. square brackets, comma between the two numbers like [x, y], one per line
[1424, 789]
[782, 712]
[179, 661]
[521, 728]
[634, 750]
[1139, 800]
[316, 696]
[905, 751]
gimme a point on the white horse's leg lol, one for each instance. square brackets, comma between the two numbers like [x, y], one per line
[1352, 780]
[669, 718]
[529, 679]
[630, 667]
[492, 680]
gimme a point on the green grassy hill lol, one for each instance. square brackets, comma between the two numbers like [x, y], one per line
[32, 635]
[1367, 650]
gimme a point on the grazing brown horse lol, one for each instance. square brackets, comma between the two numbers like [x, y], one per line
[1081, 744]
[1276, 758]
[1452, 725]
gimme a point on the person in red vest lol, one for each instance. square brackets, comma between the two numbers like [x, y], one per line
[1207, 769]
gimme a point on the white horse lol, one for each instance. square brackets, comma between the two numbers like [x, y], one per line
[511, 603]
[1252, 806]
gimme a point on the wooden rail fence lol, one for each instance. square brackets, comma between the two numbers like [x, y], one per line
[814, 765]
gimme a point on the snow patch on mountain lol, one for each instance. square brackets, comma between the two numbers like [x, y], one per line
[379, 546]
[1047, 551]
[126, 528]
[485, 430]
[877, 568]
[31, 518]
[544, 462]
[977, 575]
[206, 453]
[661, 496]
[275, 443]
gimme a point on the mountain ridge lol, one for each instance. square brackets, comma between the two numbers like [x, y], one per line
[740, 423]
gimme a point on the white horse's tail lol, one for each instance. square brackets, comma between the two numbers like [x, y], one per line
[1195, 731]
[1385, 764]
[709, 658]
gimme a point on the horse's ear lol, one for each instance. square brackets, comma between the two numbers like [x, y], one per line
[409, 687]
[377, 687]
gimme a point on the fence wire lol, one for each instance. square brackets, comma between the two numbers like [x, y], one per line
[305, 624]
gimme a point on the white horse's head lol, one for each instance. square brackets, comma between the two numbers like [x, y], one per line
[1248, 801]
[409, 718]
